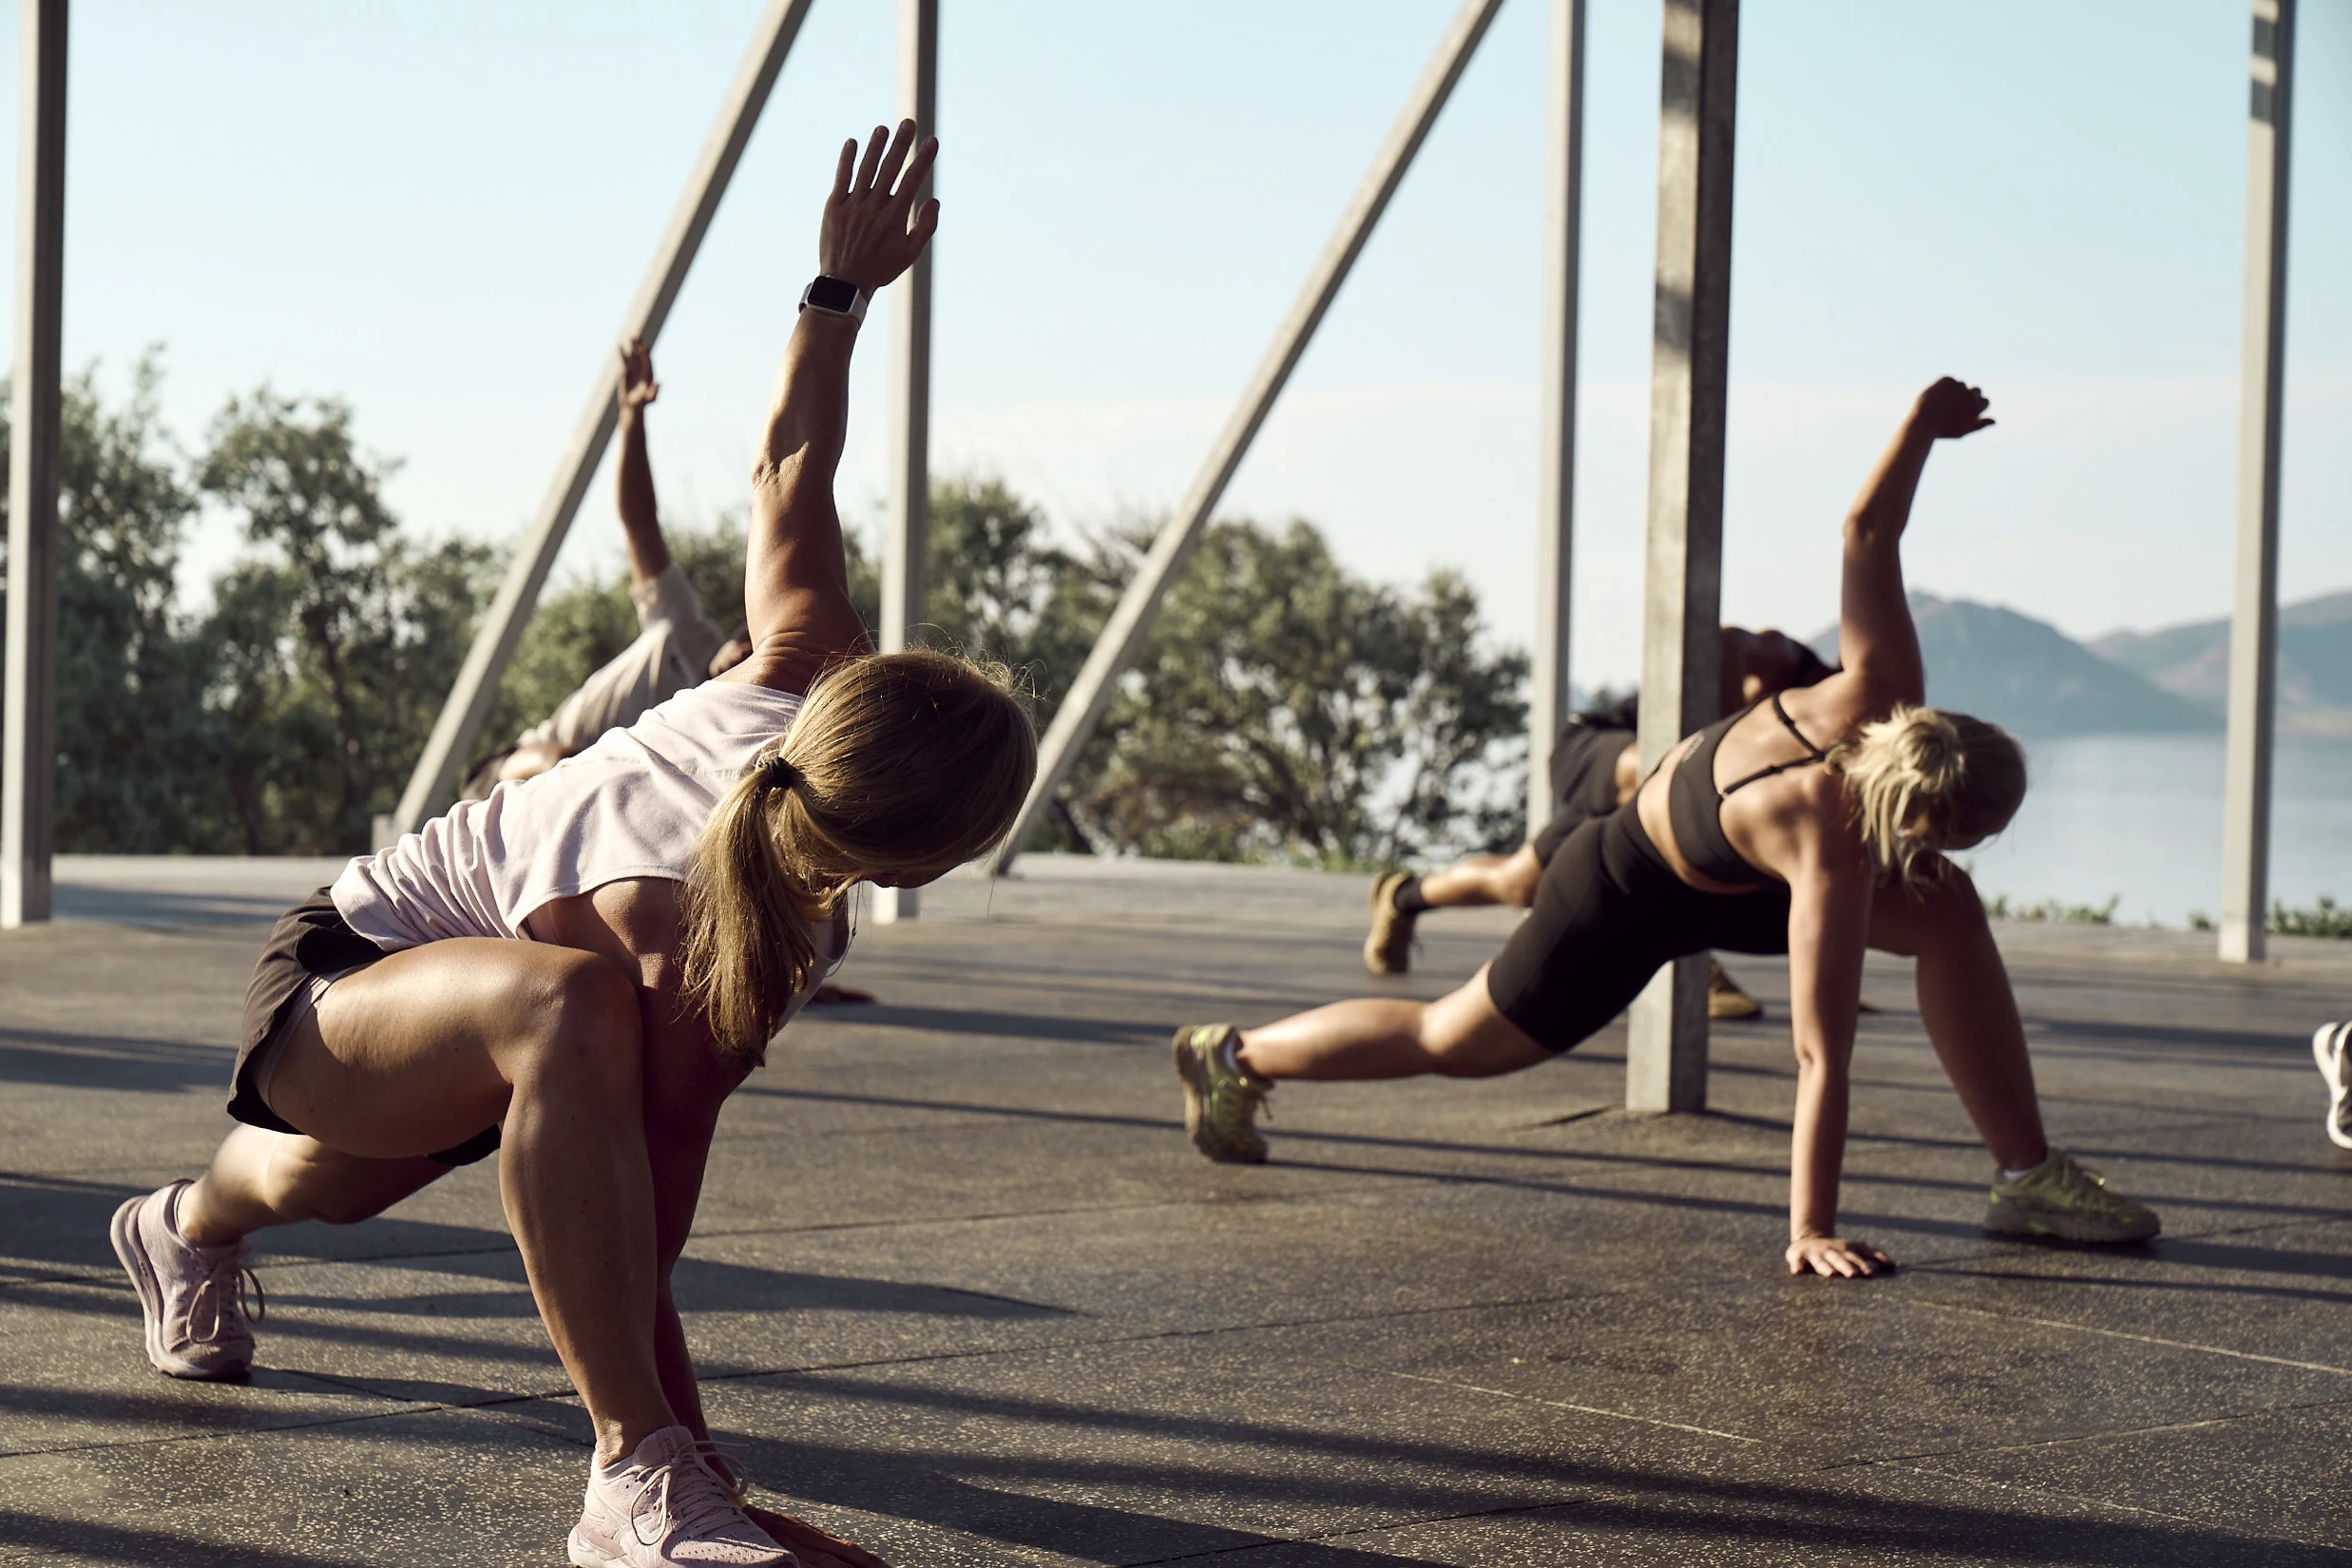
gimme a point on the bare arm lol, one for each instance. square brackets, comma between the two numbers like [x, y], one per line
[1828, 927]
[1877, 642]
[640, 521]
[795, 582]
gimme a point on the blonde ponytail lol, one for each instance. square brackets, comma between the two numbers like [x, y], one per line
[898, 766]
[1925, 780]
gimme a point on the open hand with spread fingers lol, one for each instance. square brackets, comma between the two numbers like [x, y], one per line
[1837, 1257]
[1950, 409]
[638, 386]
[872, 229]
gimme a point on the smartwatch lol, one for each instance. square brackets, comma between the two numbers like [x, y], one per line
[834, 297]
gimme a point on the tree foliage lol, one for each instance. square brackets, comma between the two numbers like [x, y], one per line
[1285, 708]
[136, 746]
[337, 638]
[1282, 707]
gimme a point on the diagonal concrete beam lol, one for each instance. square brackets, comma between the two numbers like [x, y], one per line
[1098, 682]
[468, 703]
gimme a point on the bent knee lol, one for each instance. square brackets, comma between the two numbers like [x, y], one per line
[1464, 1037]
[581, 1014]
[1519, 877]
[1912, 918]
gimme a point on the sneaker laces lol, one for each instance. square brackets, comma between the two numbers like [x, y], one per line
[687, 1494]
[2085, 1186]
[729, 1470]
[221, 1292]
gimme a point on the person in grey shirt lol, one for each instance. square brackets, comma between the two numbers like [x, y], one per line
[677, 646]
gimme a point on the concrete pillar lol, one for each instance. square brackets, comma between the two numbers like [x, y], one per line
[1666, 1051]
[1548, 698]
[907, 529]
[29, 744]
[2253, 621]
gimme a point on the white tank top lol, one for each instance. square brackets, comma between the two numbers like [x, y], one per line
[633, 805]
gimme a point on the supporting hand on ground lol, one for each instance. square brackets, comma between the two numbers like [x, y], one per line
[1836, 1256]
[813, 1546]
[872, 231]
[1950, 409]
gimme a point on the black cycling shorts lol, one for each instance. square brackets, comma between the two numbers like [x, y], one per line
[1609, 914]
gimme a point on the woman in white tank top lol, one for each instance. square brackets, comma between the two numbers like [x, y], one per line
[591, 963]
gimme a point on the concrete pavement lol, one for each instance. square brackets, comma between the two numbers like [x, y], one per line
[962, 1292]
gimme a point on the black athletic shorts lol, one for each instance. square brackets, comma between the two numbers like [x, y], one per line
[1609, 914]
[311, 939]
[1584, 782]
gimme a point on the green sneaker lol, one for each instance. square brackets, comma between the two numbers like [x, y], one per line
[1220, 1105]
[1389, 950]
[2068, 1202]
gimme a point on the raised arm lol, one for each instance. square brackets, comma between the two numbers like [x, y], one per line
[640, 521]
[795, 582]
[1877, 642]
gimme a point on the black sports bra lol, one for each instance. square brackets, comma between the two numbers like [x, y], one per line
[1695, 805]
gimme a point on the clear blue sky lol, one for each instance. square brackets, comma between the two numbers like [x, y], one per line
[438, 212]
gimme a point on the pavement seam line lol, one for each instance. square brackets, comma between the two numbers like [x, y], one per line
[2141, 1339]
[1564, 1404]
[2099, 1501]
[2229, 1417]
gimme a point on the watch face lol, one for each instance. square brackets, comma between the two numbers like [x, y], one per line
[831, 293]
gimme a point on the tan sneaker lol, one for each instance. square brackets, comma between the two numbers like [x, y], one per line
[1220, 1104]
[1724, 997]
[1390, 948]
[2069, 1202]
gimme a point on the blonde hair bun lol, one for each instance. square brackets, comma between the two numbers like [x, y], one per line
[1925, 780]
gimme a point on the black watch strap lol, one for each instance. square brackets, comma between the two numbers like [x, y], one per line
[834, 297]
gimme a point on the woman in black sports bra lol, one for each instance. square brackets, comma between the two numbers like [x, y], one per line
[1814, 825]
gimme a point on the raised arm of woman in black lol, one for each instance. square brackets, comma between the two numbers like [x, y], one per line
[795, 581]
[1877, 643]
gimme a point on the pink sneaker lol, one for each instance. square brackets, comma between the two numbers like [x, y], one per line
[664, 1506]
[193, 1297]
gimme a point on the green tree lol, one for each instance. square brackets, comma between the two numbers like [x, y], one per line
[1284, 708]
[137, 746]
[338, 639]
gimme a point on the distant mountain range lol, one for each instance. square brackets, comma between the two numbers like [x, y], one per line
[2031, 678]
[2315, 661]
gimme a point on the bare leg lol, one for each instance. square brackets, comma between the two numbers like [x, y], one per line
[430, 1046]
[1969, 1010]
[1459, 1036]
[1486, 879]
[263, 1178]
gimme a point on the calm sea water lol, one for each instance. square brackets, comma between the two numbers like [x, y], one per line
[2139, 817]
